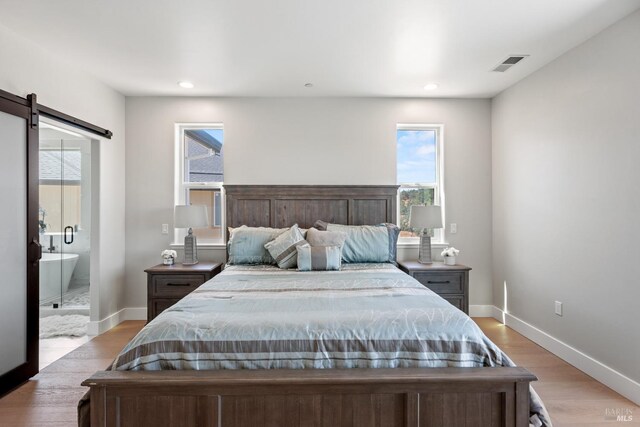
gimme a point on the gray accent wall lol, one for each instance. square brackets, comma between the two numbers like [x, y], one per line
[566, 197]
[306, 141]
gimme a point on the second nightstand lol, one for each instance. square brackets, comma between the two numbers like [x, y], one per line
[451, 282]
[168, 284]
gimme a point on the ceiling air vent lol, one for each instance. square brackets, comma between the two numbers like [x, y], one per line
[509, 62]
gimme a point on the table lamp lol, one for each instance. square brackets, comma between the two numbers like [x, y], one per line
[190, 216]
[425, 218]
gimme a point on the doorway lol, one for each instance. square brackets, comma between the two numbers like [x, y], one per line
[65, 221]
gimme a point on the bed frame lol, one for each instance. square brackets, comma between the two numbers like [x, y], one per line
[485, 397]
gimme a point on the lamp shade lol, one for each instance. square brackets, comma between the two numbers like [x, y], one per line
[191, 216]
[425, 217]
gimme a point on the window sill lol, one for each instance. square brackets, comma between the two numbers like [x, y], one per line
[201, 246]
[416, 244]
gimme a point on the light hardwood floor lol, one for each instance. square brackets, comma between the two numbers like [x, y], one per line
[572, 397]
[50, 398]
[52, 349]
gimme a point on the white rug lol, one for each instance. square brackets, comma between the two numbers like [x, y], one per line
[72, 325]
[77, 298]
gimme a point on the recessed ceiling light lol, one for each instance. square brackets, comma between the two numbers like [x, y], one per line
[186, 85]
[308, 85]
[431, 86]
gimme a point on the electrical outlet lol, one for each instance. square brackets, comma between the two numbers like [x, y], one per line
[165, 228]
[453, 228]
[558, 308]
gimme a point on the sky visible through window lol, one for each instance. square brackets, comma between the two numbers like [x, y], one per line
[416, 156]
[216, 133]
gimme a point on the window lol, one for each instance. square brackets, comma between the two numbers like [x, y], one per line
[63, 173]
[419, 155]
[199, 176]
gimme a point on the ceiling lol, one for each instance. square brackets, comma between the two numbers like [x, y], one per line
[343, 47]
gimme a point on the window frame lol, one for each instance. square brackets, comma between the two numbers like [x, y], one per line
[437, 186]
[181, 187]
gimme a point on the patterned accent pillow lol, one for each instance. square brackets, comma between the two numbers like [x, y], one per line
[319, 257]
[283, 247]
[246, 244]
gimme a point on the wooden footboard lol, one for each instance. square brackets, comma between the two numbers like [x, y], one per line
[448, 397]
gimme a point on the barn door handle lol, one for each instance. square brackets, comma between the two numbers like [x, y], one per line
[38, 248]
[66, 239]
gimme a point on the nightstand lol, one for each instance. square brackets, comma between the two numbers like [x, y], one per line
[168, 284]
[451, 282]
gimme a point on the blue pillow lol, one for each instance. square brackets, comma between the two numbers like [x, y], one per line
[246, 244]
[366, 243]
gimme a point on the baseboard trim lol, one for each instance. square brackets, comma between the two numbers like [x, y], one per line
[129, 313]
[481, 311]
[135, 313]
[587, 364]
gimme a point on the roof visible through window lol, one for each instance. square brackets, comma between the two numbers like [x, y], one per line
[205, 152]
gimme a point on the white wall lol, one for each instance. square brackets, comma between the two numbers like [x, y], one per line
[566, 205]
[307, 141]
[26, 68]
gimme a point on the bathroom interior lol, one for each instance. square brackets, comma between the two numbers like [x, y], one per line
[65, 235]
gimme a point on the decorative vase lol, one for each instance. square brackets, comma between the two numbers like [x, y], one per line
[167, 261]
[450, 260]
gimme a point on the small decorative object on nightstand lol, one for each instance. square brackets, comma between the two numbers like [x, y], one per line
[449, 255]
[168, 284]
[191, 216]
[450, 282]
[168, 257]
[425, 218]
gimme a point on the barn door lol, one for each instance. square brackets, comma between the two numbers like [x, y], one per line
[20, 250]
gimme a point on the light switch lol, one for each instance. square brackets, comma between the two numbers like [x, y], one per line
[165, 228]
[558, 308]
[453, 228]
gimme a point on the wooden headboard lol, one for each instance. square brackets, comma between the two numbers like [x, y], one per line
[284, 205]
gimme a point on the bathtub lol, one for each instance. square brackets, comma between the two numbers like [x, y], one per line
[55, 268]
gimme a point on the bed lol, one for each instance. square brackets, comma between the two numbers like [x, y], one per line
[364, 346]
